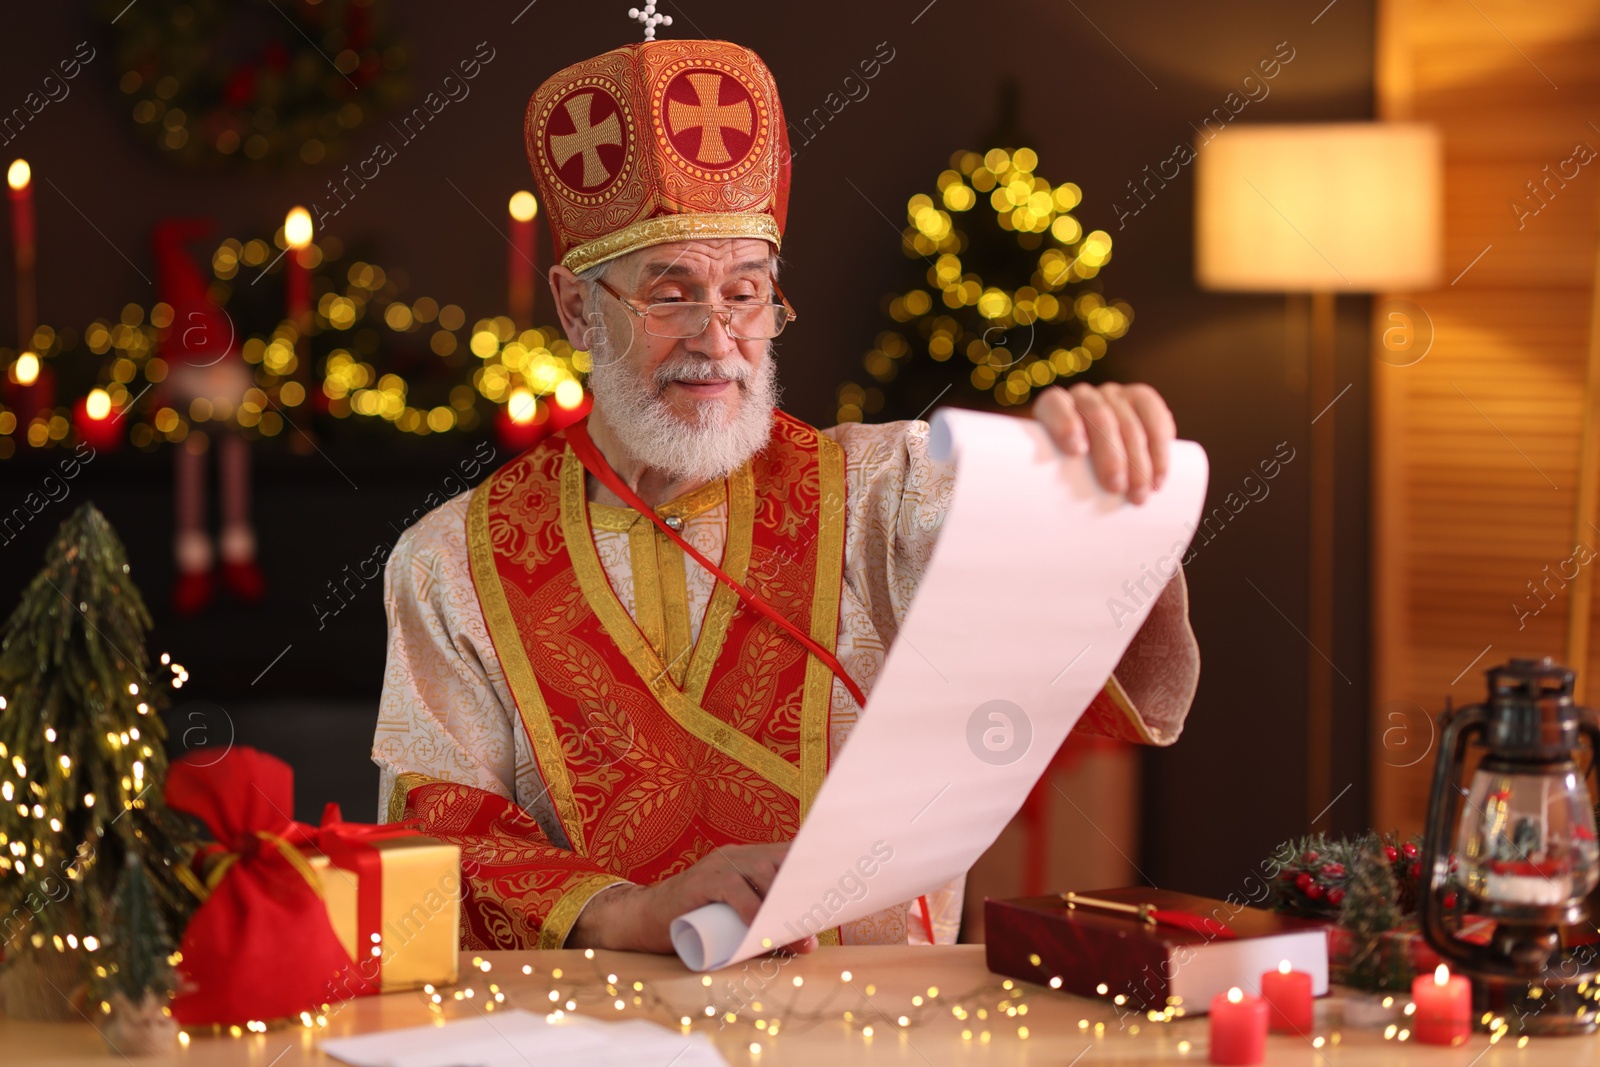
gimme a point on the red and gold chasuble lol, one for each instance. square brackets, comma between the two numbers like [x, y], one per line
[649, 764]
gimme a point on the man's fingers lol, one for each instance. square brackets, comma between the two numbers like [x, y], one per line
[1055, 410]
[1135, 444]
[756, 864]
[1105, 437]
[734, 891]
[1160, 428]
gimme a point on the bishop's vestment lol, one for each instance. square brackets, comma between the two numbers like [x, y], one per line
[577, 703]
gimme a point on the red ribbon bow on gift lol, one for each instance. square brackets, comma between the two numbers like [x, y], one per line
[349, 847]
[261, 945]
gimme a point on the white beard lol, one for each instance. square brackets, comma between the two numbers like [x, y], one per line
[708, 446]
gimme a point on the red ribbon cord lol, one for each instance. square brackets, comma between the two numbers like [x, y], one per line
[1200, 924]
[595, 464]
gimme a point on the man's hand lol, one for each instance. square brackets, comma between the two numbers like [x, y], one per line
[1126, 430]
[638, 918]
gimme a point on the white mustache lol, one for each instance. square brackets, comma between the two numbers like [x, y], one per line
[701, 371]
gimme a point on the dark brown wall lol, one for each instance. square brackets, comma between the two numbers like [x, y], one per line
[1107, 88]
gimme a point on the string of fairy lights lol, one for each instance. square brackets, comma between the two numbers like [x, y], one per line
[958, 311]
[357, 317]
[758, 1016]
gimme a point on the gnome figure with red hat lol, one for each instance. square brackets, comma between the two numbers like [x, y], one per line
[205, 364]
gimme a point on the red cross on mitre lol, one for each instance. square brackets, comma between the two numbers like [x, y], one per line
[586, 139]
[710, 118]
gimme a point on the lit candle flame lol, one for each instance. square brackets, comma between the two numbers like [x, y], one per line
[297, 228]
[1441, 974]
[97, 405]
[1283, 966]
[523, 206]
[1235, 995]
[26, 369]
[569, 394]
[19, 175]
[521, 407]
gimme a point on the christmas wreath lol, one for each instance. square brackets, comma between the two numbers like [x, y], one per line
[216, 82]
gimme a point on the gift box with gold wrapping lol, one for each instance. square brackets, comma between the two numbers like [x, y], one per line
[393, 899]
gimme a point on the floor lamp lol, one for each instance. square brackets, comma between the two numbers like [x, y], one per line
[1320, 209]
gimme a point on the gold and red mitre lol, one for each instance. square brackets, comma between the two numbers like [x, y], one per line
[659, 141]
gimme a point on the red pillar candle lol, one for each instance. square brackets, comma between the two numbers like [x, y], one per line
[96, 422]
[297, 281]
[1444, 1008]
[20, 180]
[519, 425]
[521, 259]
[1238, 1028]
[1288, 997]
[297, 291]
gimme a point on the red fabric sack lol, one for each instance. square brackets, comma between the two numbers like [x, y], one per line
[260, 947]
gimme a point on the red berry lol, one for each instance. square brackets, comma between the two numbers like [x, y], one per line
[1391, 853]
[1333, 870]
[1409, 849]
[1303, 882]
[1308, 857]
[1314, 891]
[1335, 895]
[1450, 901]
[1414, 871]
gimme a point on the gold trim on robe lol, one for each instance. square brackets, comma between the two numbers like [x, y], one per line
[626, 635]
[564, 913]
[828, 579]
[519, 672]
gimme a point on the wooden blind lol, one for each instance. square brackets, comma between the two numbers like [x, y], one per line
[1475, 447]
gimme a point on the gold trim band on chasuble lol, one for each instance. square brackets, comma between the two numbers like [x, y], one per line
[404, 783]
[519, 672]
[817, 703]
[602, 599]
[724, 602]
[558, 921]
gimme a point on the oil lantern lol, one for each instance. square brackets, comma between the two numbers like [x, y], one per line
[1525, 861]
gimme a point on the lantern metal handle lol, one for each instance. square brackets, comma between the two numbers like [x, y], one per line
[1589, 726]
[1458, 729]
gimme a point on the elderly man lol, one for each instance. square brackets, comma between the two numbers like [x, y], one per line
[619, 668]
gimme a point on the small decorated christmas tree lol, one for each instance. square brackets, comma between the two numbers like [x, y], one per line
[139, 978]
[82, 764]
[1369, 911]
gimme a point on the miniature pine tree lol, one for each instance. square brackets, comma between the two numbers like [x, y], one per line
[138, 978]
[82, 760]
[1369, 912]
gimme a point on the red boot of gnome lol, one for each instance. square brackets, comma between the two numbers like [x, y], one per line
[196, 587]
[240, 574]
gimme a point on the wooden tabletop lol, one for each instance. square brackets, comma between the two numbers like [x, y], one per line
[965, 1017]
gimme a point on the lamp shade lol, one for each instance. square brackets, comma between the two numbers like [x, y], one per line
[1351, 207]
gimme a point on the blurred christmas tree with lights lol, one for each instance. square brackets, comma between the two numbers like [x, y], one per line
[83, 764]
[1005, 299]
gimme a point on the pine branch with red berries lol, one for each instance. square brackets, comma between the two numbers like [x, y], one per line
[1315, 873]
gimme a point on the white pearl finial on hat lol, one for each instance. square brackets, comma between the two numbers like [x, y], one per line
[648, 16]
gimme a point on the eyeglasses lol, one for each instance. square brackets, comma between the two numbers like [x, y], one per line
[683, 318]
